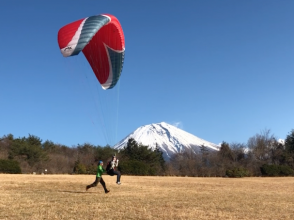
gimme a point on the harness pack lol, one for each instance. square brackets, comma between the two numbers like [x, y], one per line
[108, 166]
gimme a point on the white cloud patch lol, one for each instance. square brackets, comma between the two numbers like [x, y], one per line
[178, 124]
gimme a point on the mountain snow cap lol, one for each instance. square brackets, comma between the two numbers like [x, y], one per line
[169, 139]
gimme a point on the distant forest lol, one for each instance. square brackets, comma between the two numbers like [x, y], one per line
[262, 155]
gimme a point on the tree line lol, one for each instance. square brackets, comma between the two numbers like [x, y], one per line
[30, 154]
[262, 155]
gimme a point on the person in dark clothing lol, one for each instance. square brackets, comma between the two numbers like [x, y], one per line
[99, 178]
[110, 169]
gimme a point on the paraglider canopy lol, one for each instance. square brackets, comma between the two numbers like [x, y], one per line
[101, 40]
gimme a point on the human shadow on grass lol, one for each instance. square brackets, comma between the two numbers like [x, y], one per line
[67, 191]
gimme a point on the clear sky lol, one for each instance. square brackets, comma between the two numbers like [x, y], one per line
[221, 70]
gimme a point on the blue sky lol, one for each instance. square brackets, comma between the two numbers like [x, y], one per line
[221, 70]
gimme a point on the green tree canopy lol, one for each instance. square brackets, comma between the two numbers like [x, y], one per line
[289, 142]
[150, 162]
[29, 149]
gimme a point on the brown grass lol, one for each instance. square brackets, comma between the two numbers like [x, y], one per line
[64, 197]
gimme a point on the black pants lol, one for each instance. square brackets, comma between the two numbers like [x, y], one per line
[112, 172]
[98, 180]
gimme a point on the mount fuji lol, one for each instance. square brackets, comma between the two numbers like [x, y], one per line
[169, 139]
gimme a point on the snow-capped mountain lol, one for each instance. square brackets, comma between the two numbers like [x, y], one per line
[281, 141]
[169, 138]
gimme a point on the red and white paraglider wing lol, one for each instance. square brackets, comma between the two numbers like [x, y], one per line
[101, 39]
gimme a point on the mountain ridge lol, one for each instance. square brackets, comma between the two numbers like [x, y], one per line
[169, 139]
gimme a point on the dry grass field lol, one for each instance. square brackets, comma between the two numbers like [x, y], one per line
[64, 197]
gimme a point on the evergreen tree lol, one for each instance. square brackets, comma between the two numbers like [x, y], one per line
[138, 159]
[9, 166]
[29, 149]
[225, 152]
[289, 142]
